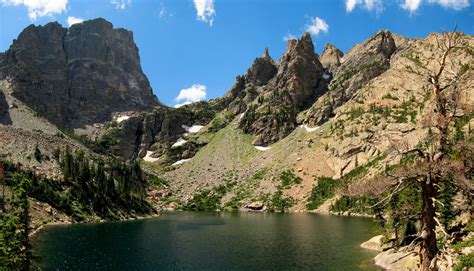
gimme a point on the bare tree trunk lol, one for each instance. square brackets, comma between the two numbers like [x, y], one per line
[428, 249]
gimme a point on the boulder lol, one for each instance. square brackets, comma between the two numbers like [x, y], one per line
[397, 260]
[256, 206]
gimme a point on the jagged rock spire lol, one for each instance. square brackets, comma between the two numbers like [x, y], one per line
[262, 70]
[299, 71]
[266, 55]
[331, 57]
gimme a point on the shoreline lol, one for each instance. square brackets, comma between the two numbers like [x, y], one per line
[58, 223]
[69, 222]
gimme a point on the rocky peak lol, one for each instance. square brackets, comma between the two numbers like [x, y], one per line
[296, 85]
[78, 76]
[299, 47]
[299, 72]
[266, 55]
[361, 64]
[331, 57]
[381, 42]
[262, 70]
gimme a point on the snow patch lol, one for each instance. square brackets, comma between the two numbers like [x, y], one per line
[241, 116]
[262, 148]
[310, 129]
[148, 157]
[326, 76]
[181, 162]
[122, 118]
[193, 129]
[178, 143]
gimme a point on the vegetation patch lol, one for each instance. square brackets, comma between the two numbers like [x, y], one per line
[288, 179]
[278, 203]
[324, 190]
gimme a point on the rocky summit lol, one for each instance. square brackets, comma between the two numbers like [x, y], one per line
[77, 76]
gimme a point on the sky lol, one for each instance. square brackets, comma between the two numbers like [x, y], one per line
[192, 50]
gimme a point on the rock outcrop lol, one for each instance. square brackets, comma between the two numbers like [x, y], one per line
[157, 131]
[296, 85]
[262, 70]
[360, 65]
[299, 73]
[77, 76]
[4, 114]
[331, 58]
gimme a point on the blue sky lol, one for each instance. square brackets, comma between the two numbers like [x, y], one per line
[200, 46]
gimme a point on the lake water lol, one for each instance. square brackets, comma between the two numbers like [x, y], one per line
[210, 241]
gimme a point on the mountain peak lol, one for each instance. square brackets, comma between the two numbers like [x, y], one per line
[104, 61]
[262, 70]
[266, 55]
[331, 57]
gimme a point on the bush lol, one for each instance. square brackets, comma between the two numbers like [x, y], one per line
[288, 178]
[465, 262]
[206, 200]
[280, 204]
[323, 191]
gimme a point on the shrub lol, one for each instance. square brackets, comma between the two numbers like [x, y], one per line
[288, 178]
[323, 191]
[280, 204]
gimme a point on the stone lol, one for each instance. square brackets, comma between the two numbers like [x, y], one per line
[256, 206]
[397, 260]
[374, 243]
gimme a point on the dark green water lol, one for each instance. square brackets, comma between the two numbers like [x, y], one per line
[210, 241]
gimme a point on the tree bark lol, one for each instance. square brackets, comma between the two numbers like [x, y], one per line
[428, 248]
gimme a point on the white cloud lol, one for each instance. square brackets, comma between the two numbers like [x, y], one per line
[205, 10]
[121, 4]
[39, 8]
[288, 37]
[370, 5]
[454, 4]
[195, 93]
[74, 20]
[316, 26]
[162, 11]
[411, 5]
[350, 5]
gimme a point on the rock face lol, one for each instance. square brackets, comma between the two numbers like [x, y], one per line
[262, 70]
[4, 114]
[296, 85]
[299, 72]
[360, 65]
[77, 76]
[331, 58]
[157, 131]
